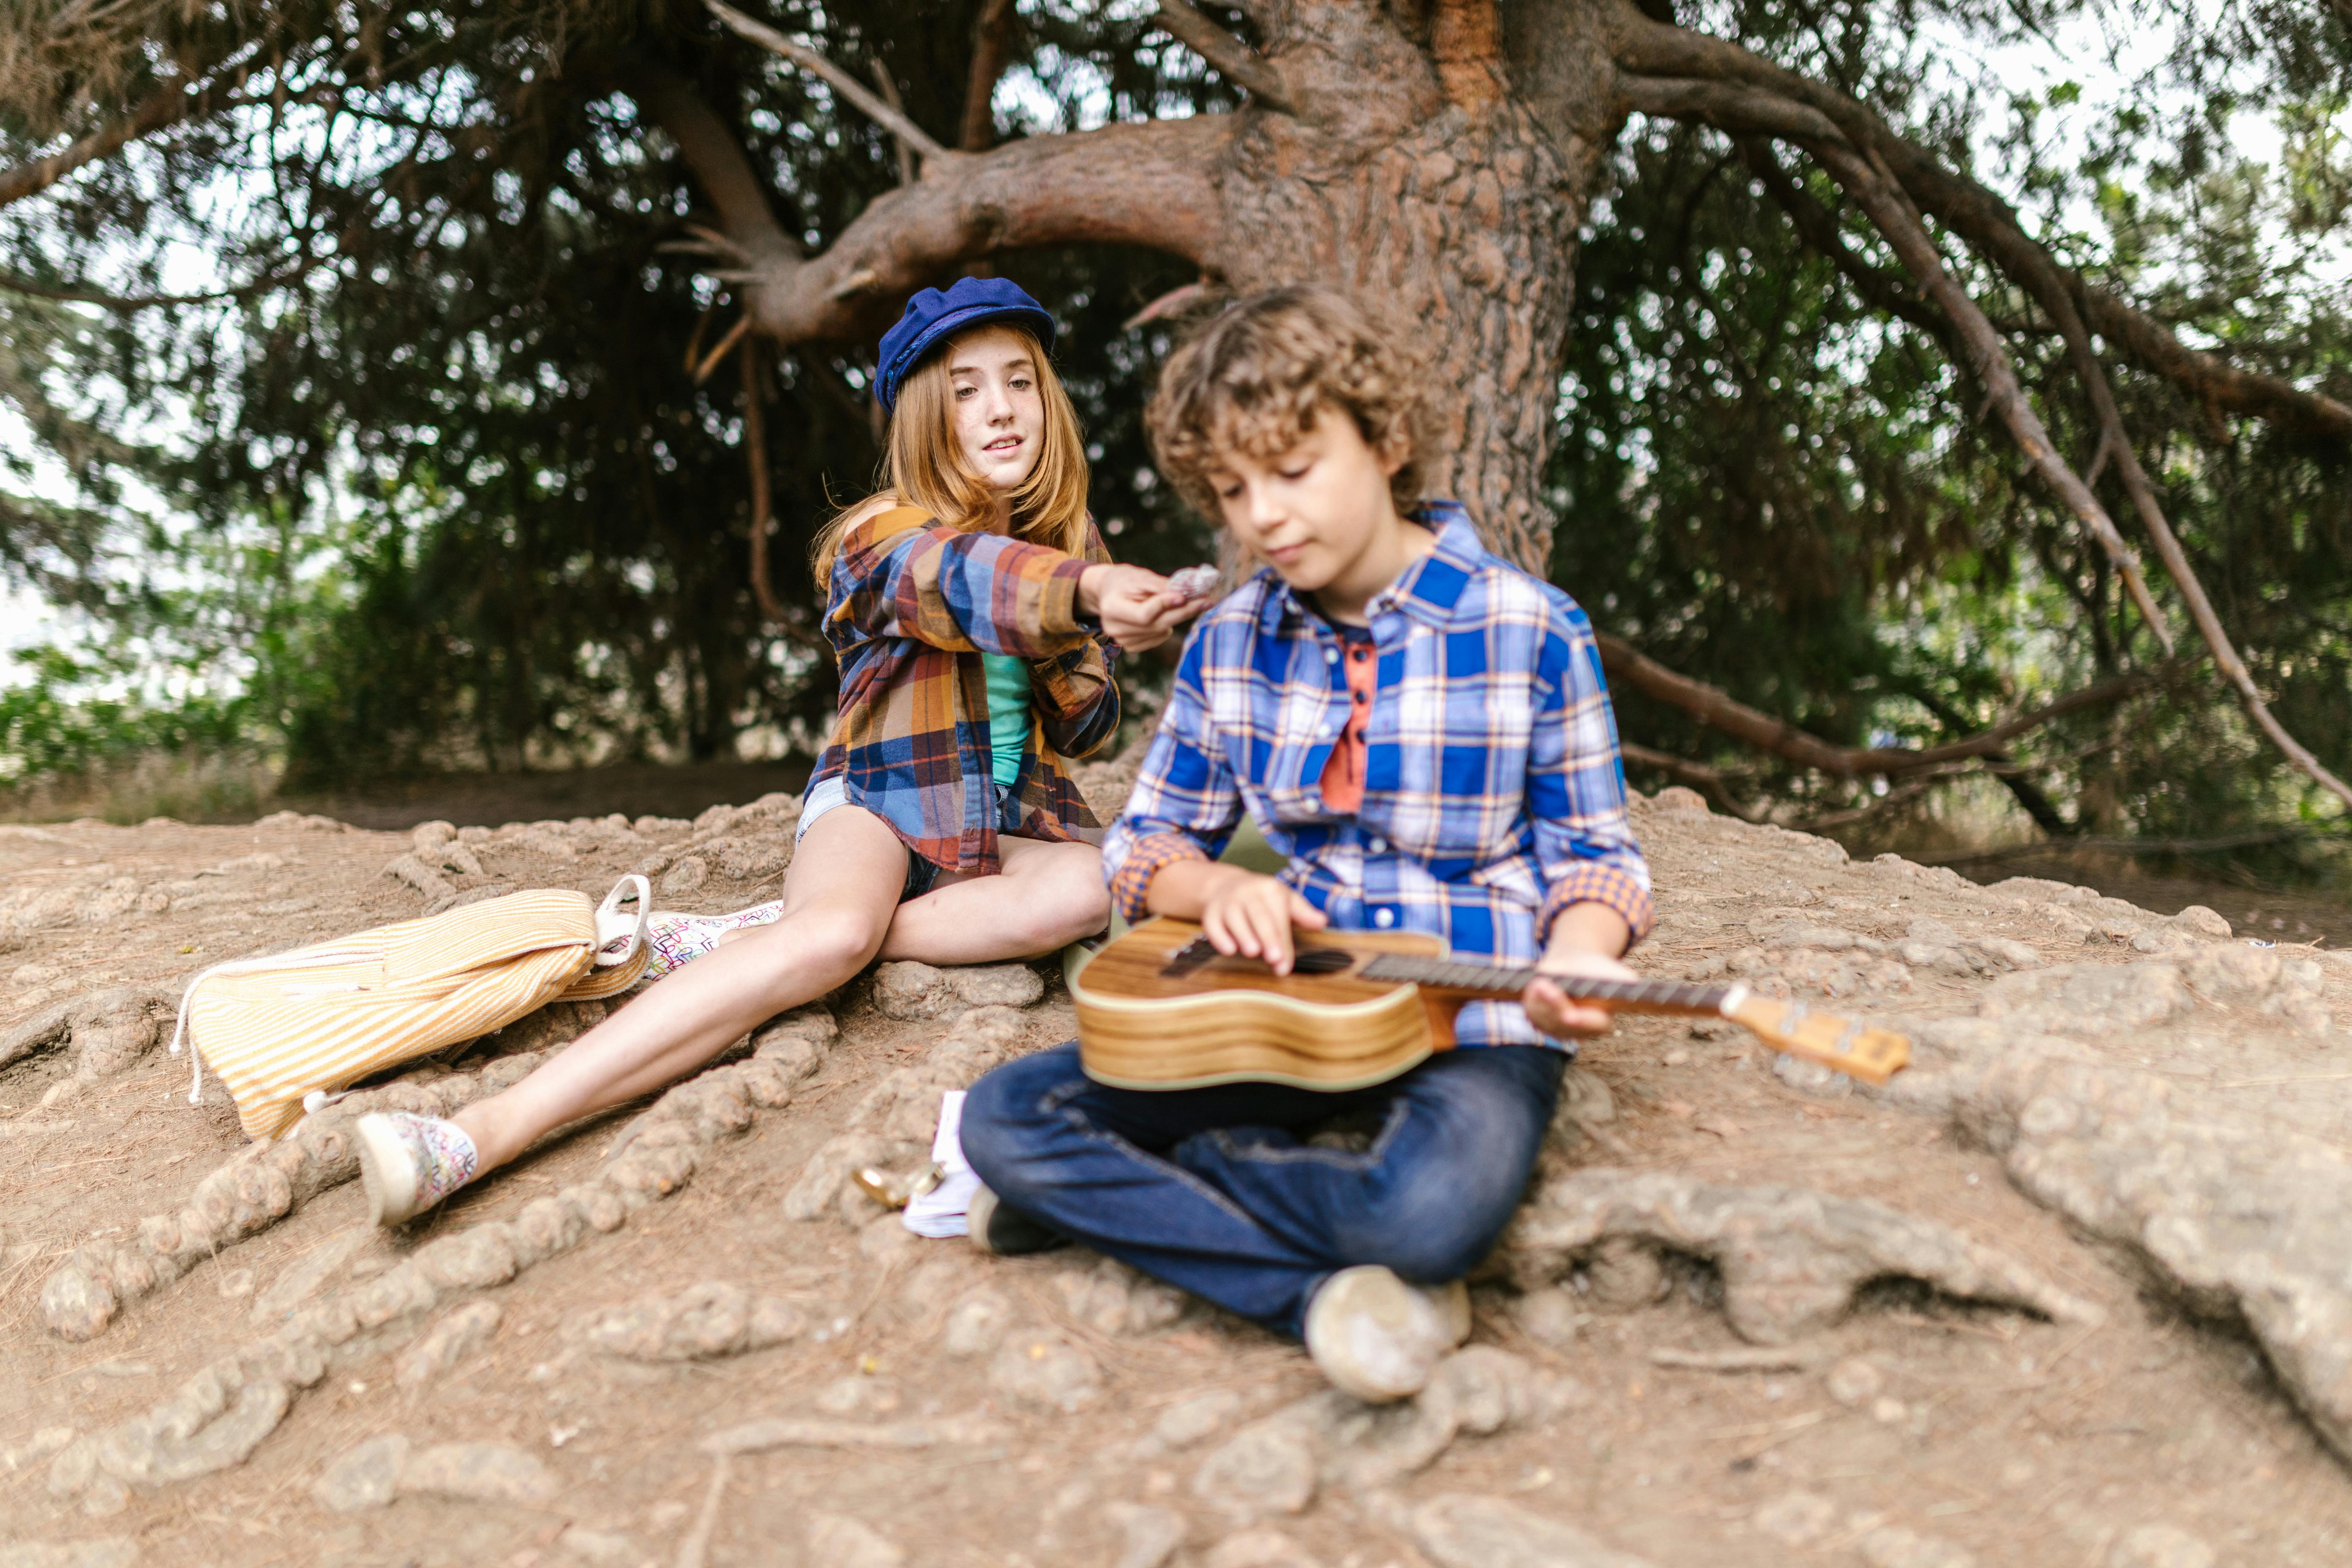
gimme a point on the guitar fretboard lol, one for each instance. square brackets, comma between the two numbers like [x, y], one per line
[1508, 980]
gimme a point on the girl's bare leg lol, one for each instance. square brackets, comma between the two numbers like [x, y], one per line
[839, 898]
[1049, 895]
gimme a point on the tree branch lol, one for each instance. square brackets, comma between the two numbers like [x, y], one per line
[748, 235]
[268, 281]
[1149, 184]
[160, 111]
[890, 96]
[1743, 110]
[1233, 59]
[992, 46]
[1900, 224]
[2129, 846]
[1860, 152]
[860, 95]
[1709, 782]
[755, 451]
[1818, 226]
[1896, 218]
[1647, 48]
[1719, 710]
[2150, 344]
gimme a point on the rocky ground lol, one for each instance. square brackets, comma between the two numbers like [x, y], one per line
[2076, 1289]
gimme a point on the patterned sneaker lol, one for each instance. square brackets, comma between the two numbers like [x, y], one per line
[1378, 1338]
[677, 940]
[408, 1163]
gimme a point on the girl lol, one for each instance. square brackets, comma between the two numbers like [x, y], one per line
[972, 609]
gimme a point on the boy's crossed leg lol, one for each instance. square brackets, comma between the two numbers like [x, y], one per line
[1214, 1190]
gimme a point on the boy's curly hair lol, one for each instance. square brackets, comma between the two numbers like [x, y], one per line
[1255, 377]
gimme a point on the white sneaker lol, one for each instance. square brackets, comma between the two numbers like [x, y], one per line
[1378, 1338]
[408, 1163]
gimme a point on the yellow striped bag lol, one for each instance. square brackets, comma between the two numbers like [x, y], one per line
[277, 1028]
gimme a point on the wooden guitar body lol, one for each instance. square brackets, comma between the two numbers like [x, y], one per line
[1147, 1021]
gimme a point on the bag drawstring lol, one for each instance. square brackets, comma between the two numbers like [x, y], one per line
[301, 958]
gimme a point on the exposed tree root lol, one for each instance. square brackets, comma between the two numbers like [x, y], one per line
[256, 1188]
[2236, 1217]
[216, 1418]
[1790, 1259]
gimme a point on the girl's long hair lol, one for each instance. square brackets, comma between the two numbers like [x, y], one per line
[926, 468]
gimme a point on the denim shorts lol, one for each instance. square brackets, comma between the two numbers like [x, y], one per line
[921, 875]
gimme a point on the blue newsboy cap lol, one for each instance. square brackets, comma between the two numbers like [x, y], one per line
[933, 317]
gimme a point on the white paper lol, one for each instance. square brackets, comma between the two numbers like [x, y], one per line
[941, 1211]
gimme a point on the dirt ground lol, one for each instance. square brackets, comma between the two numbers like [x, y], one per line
[940, 1408]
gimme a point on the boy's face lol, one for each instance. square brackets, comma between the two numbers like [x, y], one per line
[998, 412]
[1318, 511]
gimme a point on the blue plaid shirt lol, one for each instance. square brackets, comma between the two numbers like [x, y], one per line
[1494, 798]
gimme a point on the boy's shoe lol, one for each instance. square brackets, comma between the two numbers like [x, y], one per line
[1378, 1338]
[408, 1163]
[675, 941]
[1006, 1232]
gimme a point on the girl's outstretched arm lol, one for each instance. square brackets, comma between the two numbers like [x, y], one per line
[967, 592]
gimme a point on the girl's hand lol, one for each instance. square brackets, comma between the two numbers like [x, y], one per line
[1139, 609]
[1548, 1004]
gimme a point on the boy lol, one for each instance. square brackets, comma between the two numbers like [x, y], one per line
[1423, 729]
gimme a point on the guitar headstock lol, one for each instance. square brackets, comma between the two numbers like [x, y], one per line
[1858, 1050]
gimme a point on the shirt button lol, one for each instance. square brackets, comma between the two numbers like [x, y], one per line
[1330, 656]
[1384, 917]
[1378, 846]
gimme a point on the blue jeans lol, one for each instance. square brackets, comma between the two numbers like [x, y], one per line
[1214, 1190]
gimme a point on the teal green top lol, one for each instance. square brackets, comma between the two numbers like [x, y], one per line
[1008, 712]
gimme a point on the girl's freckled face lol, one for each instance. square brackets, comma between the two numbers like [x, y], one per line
[998, 410]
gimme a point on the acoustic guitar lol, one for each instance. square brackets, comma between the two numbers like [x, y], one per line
[1160, 1008]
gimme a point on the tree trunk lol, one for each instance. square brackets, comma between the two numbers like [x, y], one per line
[1442, 202]
[1410, 167]
[1446, 192]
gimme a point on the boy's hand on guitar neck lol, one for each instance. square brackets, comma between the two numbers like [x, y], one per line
[1585, 940]
[1240, 912]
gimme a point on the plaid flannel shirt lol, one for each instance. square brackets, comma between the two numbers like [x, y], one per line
[913, 603]
[1494, 796]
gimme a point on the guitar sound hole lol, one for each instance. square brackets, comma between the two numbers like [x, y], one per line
[1193, 956]
[1321, 960]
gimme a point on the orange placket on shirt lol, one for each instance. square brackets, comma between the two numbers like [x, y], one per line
[1343, 775]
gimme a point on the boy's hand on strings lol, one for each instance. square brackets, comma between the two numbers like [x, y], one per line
[1583, 938]
[1139, 609]
[1243, 913]
[1251, 914]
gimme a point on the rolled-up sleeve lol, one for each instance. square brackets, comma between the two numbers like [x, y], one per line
[966, 592]
[1576, 788]
[1185, 804]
